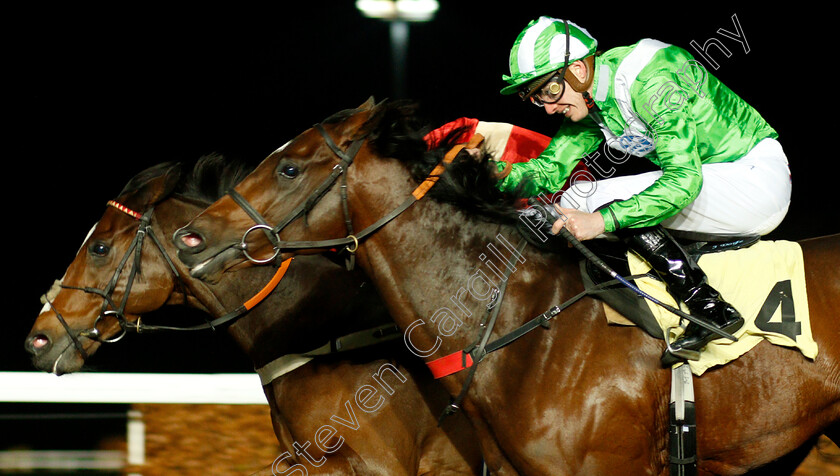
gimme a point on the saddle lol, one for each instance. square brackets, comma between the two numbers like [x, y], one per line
[628, 303]
[764, 280]
[614, 253]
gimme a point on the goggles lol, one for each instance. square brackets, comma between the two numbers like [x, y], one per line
[549, 93]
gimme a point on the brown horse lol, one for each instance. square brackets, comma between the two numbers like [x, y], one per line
[340, 403]
[579, 398]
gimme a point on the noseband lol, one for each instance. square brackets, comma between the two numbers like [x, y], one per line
[350, 243]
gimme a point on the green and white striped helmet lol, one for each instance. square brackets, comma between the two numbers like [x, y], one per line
[541, 49]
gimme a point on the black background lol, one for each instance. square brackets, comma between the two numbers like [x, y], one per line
[97, 95]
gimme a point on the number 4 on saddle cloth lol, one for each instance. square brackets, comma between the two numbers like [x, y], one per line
[764, 280]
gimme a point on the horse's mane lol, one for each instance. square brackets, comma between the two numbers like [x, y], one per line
[204, 182]
[398, 132]
[211, 177]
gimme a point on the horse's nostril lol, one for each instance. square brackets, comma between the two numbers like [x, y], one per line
[191, 239]
[38, 343]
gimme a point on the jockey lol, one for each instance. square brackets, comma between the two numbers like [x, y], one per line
[722, 170]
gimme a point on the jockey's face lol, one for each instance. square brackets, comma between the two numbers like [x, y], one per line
[570, 104]
[558, 97]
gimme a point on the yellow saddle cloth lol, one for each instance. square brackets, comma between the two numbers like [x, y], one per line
[765, 282]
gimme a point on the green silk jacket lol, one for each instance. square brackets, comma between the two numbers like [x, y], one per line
[655, 101]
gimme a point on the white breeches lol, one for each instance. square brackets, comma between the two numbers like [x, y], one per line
[749, 196]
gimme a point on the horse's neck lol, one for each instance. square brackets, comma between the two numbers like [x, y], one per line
[316, 301]
[169, 216]
[435, 260]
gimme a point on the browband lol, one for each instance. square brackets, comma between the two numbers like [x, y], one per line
[124, 209]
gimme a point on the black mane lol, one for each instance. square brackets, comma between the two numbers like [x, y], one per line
[211, 177]
[207, 180]
[467, 183]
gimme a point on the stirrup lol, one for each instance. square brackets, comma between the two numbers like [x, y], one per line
[684, 354]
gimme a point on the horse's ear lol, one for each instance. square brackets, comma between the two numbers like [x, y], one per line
[151, 185]
[354, 126]
[171, 178]
[366, 110]
[367, 105]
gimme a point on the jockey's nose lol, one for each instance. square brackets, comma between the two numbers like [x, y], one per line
[553, 108]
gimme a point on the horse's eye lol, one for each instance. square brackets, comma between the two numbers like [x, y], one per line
[289, 170]
[99, 249]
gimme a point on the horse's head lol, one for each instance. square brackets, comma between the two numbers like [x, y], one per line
[92, 303]
[307, 195]
[289, 196]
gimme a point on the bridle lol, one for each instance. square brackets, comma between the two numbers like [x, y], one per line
[350, 243]
[273, 232]
[109, 308]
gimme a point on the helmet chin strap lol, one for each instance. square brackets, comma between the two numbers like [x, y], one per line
[575, 83]
[590, 103]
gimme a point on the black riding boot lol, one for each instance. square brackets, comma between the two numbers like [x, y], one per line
[687, 283]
